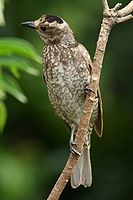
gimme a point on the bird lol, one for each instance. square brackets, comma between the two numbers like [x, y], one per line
[67, 71]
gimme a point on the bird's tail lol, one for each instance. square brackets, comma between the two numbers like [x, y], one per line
[82, 173]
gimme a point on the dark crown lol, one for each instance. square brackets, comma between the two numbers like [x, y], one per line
[51, 18]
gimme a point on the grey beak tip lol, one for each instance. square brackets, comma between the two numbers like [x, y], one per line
[29, 24]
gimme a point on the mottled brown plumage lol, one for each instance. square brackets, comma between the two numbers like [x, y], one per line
[67, 72]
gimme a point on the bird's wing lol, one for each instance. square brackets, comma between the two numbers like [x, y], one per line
[98, 123]
[83, 51]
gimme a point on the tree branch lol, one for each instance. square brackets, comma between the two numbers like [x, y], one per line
[105, 5]
[126, 10]
[124, 19]
[110, 18]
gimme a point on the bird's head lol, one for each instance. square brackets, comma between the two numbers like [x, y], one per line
[51, 28]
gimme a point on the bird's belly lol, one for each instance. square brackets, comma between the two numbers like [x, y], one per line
[65, 92]
[66, 104]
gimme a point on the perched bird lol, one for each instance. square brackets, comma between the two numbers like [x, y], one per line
[67, 73]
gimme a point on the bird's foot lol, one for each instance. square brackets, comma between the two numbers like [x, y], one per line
[72, 142]
[72, 148]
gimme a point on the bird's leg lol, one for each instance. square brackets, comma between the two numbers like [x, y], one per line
[72, 141]
[72, 138]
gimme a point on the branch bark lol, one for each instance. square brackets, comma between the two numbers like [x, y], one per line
[110, 18]
[126, 10]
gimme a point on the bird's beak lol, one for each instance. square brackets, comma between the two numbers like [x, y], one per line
[29, 24]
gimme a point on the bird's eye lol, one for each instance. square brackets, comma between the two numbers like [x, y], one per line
[43, 28]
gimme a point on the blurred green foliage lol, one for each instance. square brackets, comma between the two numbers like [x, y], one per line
[34, 147]
[2, 19]
[14, 53]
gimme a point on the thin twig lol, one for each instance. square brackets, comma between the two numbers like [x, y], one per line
[105, 5]
[124, 19]
[126, 10]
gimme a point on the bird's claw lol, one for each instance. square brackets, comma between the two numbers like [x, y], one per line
[72, 142]
[72, 148]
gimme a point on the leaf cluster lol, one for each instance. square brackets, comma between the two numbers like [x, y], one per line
[16, 56]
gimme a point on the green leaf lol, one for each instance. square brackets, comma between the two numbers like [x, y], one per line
[10, 46]
[14, 64]
[2, 94]
[12, 87]
[2, 90]
[3, 116]
[2, 19]
[15, 72]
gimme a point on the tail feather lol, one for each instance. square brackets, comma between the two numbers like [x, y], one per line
[82, 174]
[86, 172]
[77, 173]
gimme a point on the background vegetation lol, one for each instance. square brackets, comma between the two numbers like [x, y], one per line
[34, 146]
